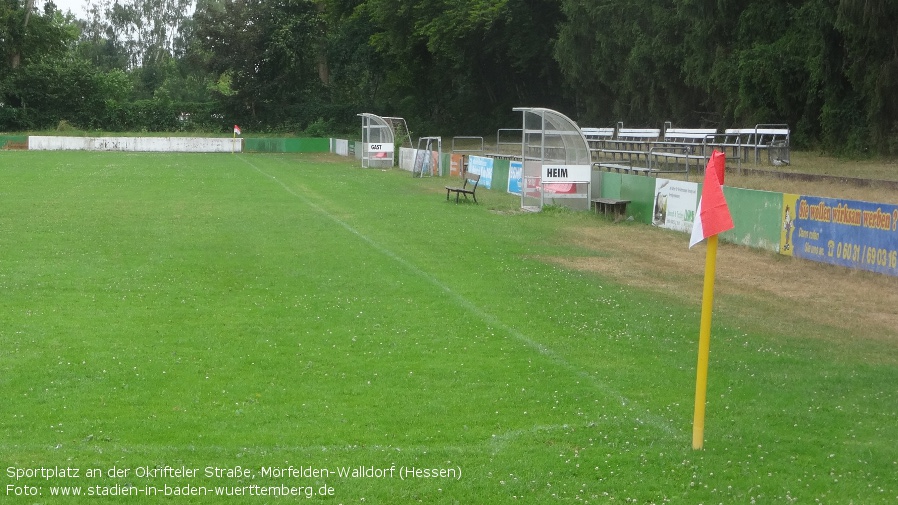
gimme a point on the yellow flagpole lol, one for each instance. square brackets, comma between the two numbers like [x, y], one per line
[704, 346]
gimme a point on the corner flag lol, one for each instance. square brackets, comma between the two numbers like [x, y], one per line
[713, 214]
[233, 142]
[711, 218]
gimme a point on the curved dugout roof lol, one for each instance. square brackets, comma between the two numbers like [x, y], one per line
[376, 129]
[550, 136]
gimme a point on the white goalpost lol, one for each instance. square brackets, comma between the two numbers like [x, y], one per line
[428, 157]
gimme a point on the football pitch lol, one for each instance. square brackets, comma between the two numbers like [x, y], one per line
[199, 328]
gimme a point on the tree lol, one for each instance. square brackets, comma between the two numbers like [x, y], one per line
[871, 60]
[624, 61]
[463, 66]
[51, 90]
[270, 59]
[28, 35]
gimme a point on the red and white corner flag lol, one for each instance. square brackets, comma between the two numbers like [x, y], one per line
[711, 218]
[236, 130]
[713, 214]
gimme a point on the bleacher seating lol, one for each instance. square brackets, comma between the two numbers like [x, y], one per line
[650, 151]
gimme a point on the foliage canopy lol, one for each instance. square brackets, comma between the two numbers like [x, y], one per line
[828, 69]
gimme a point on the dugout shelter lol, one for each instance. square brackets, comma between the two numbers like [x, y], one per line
[378, 141]
[557, 167]
[380, 137]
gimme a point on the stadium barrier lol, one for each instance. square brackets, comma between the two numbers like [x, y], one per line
[13, 142]
[854, 234]
[849, 233]
[286, 145]
[136, 144]
[172, 144]
[339, 146]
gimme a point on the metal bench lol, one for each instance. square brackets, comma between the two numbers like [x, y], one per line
[465, 189]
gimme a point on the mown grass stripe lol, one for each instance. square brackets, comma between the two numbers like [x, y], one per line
[476, 311]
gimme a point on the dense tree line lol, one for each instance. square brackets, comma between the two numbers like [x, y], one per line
[827, 68]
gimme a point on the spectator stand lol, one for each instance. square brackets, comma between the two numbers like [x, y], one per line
[742, 143]
[508, 143]
[681, 148]
[632, 144]
[621, 150]
[650, 151]
[597, 139]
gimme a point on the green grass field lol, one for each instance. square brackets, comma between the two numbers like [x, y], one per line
[186, 324]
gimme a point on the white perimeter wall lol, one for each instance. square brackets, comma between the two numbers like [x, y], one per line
[147, 144]
[407, 158]
[340, 146]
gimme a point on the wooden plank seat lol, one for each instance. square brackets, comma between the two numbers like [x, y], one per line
[621, 168]
[662, 157]
[629, 143]
[622, 154]
[465, 189]
[597, 138]
[682, 136]
[684, 143]
[617, 207]
[744, 141]
[637, 134]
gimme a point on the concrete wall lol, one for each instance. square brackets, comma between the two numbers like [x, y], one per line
[143, 144]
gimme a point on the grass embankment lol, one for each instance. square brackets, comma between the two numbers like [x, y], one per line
[255, 311]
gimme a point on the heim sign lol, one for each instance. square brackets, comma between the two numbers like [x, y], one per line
[566, 173]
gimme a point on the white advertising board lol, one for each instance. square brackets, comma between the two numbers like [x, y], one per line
[675, 203]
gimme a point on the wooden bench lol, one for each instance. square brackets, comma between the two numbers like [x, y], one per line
[465, 189]
[617, 207]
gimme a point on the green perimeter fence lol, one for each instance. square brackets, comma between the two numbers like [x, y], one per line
[9, 141]
[286, 145]
[758, 215]
[850, 233]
